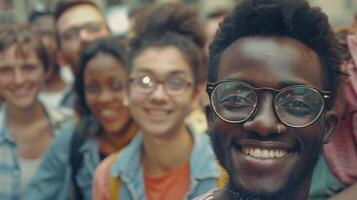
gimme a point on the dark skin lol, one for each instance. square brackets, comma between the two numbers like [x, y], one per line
[275, 62]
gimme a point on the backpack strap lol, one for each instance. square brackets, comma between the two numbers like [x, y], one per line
[114, 182]
[114, 187]
[75, 159]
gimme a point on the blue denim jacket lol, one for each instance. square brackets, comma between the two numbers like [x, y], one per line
[204, 169]
[53, 179]
[61, 120]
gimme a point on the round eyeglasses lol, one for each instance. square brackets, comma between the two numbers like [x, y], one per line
[174, 85]
[296, 106]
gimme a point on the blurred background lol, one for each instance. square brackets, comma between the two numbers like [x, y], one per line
[340, 12]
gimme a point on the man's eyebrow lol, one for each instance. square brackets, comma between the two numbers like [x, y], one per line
[289, 83]
[281, 85]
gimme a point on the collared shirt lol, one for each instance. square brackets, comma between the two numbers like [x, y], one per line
[204, 170]
[53, 179]
[69, 98]
[61, 120]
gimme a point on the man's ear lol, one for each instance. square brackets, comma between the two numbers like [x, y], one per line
[331, 124]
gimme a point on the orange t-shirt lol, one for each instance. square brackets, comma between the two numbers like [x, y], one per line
[173, 186]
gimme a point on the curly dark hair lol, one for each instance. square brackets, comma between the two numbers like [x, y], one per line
[108, 45]
[289, 18]
[171, 24]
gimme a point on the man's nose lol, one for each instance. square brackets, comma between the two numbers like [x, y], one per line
[264, 121]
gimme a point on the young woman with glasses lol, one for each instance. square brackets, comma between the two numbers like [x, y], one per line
[166, 160]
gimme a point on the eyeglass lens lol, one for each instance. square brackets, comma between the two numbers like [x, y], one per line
[295, 106]
[174, 85]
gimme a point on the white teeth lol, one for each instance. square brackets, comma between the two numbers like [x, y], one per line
[264, 153]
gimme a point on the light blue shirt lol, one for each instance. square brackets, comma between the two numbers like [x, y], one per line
[204, 170]
[61, 120]
[53, 179]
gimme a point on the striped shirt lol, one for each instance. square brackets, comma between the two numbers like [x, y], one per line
[207, 196]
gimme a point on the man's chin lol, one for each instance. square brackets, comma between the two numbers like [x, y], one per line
[239, 193]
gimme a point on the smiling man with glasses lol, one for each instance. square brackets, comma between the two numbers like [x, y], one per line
[273, 74]
[77, 24]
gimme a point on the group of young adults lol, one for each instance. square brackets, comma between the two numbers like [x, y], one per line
[120, 130]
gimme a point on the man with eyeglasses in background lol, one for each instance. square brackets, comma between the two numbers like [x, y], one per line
[77, 24]
[273, 74]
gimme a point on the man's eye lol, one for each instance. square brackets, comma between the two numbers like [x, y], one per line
[235, 102]
[70, 34]
[297, 107]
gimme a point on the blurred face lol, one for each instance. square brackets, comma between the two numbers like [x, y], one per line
[44, 26]
[21, 76]
[161, 91]
[104, 80]
[76, 28]
[263, 155]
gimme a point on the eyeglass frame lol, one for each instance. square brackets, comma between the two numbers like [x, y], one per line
[211, 86]
[77, 30]
[158, 82]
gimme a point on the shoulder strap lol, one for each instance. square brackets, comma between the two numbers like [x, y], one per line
[114, 182]
[76, 161]
[114, 187]
[223, 178]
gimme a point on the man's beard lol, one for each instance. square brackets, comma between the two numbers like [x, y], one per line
[237, 192]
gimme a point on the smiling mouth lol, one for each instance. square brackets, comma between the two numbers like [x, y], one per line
[264, 153]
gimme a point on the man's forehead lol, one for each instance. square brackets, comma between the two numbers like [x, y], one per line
[79, 15]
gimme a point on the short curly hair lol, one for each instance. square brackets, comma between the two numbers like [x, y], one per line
[289, 18]
[171, 24]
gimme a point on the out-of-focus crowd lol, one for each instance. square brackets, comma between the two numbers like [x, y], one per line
[89, 115]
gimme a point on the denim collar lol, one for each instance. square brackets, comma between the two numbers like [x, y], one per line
[128, 163]
[56, 119]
